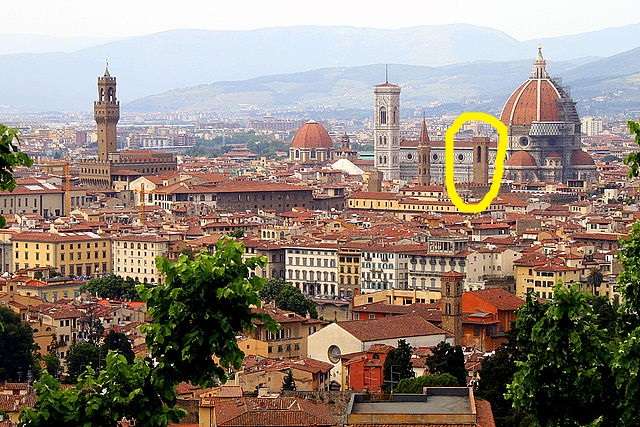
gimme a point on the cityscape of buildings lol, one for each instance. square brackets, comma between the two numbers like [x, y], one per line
[368, 233]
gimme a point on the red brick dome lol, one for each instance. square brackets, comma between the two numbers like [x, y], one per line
[312, 135]
[581, 158]
[535, 100]
[521, 159]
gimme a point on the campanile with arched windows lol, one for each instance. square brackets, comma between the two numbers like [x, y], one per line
[386, 130]
[106, 112]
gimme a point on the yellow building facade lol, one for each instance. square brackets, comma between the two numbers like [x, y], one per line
[72, 254]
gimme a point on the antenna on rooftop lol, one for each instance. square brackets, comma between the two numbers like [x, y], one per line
[386, 73]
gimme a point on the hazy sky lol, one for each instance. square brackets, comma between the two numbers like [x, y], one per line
[521, 19]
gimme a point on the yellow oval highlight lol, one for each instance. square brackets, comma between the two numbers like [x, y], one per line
[503, 141]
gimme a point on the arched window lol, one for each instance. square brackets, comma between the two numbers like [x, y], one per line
[297, 154]
[395, 116]
[478, 154]
[383, 116]
[125, 245]
[111, 94]
[313, 154]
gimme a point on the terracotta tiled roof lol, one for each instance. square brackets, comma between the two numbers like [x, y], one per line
[500, 298]
[282, 411]
[390, 328]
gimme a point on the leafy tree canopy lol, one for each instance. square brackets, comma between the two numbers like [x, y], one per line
[271, 289]
[118, 342]
[197, 312]
[52, 365]
[195, 316]
[10, 156]
[566, 369]
[16, 347]
[113, 287]
[397, 366]
[81, 356]
[447, 359]
[102, 398]
[288, 297]
[288, 383]
[415, 385]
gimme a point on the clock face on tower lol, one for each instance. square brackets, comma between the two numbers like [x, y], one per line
[334, 353]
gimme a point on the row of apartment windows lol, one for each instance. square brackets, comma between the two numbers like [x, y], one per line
[71, 245]
[319, 262]
[124, 261]
[280, 334]
[312, 275]
[132, 252]
[287, 347]
[132, 270]
[139, 245]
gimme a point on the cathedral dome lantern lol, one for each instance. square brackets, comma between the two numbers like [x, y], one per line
[535, 100]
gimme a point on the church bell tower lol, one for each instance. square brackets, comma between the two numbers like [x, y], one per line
[451, 291]
[106, 112]
[386, 130]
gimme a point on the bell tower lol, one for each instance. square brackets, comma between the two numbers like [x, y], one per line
[106, 112]
[424, 156]
[451, 299]
[480, 160]
[386, 130]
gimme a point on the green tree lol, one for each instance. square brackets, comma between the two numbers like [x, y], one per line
[287, 297]
[397, 366]
[447, 359]
[52, 365]
[290, 298]
[113, 287]
[565, 379]
[195, 316]
[633, 159]
[81, 356]
[16, 347]
[415, 385]
[102, 398]
[271, 289]
[288, 383]
[237, 233]
[118, 342]
[497, 371]
[594, 279]
[199, 310]
[10, 157]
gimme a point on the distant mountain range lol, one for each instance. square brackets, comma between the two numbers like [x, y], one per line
[153, 64]
[604, 86]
